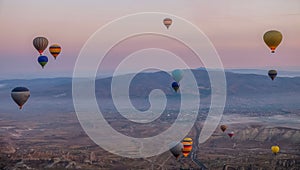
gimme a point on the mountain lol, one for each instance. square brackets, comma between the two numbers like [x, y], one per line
[244, 92]
[281, 72]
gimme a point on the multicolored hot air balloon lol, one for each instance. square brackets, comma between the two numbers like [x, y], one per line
[177, 75]
[230, 134]
[40, 44]
[187, 146]
[55, 49]
[275, 149]
[272, 74]
[43, 60]
[176, 149]
[223, 128]
[273, 38]
[167, 22]
[20, 95]
[175, 86]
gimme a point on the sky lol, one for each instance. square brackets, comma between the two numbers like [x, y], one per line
[235, 28]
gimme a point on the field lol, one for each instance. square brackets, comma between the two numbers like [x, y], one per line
[57, 141]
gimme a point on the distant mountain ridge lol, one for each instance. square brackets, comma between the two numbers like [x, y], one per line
[243, 90]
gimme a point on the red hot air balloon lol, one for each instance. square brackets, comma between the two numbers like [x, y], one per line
[231, 134]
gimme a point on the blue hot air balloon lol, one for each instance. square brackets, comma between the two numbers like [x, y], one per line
[175, 86]
[43, 60]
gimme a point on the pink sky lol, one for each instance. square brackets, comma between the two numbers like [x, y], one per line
[235, 27]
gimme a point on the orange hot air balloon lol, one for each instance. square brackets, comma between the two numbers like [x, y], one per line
[167, 22]
[223, 128]
[187, 146]
[55, 49]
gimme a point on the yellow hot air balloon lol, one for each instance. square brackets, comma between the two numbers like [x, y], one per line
[187, 146]
[55, 49]
[275, 149]
[273, 38]
[167, 22]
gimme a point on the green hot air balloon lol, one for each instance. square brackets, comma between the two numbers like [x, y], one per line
[272, 74]
[177, 75]
[20, 95]
[43, 60]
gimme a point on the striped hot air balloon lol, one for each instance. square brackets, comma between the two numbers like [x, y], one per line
[20, 95]
[40, 44]
[187, 146]
[55, 49]
[167, 22]
[272, 74]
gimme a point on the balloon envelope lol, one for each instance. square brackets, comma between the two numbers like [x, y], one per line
[43, 60]
[55, 49]
[177, 75]
[275, 149]
[273, 38]
[223, 127]
[176, 149]
[40, 44]
[231, 134]
[20, 95]
[167, 22]
[272, 74]
[175, 86]
[187, 146]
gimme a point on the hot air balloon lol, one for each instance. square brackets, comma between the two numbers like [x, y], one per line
[167, 22]
[55, 49]
[187, 146]
[20, 95]
[230, 134]
[273, 38]
[43, 60]
[40, 44]
[175, 86]
[177, 75]
[223, 127]
[272, 74]
[275, 149]
[176, 149]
